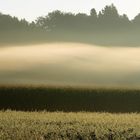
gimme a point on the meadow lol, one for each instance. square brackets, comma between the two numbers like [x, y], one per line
[68, 126]
[66, 113]
[69, 99]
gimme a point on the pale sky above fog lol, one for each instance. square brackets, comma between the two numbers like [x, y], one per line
[31, 9]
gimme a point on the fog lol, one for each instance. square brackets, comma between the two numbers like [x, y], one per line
[70, 64]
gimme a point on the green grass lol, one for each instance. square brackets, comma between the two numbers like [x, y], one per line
[68, 126]
[69, 99]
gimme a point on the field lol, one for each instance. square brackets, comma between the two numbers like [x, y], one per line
[68, 126]
[69, 99]
[58, 113]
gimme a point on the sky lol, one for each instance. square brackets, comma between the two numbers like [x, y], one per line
[31, 9]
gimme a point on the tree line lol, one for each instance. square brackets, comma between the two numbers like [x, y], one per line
[106, 27]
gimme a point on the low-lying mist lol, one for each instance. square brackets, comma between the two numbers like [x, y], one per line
[70, 64]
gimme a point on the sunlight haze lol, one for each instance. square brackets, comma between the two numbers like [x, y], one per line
[70, 64]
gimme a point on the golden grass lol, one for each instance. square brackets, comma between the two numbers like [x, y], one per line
[58, 125]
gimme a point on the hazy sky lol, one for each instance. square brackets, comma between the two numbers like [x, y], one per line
[30, 9]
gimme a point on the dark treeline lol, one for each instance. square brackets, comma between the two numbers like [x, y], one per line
[104, 28]
[14, 31]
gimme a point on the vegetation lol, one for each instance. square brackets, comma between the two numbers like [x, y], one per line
[105, 28]
[69, 99]
[68, 126]
[50, 104]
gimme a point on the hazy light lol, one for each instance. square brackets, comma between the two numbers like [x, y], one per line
[70, 64]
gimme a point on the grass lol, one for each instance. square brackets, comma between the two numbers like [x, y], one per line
[69, 99]
[57, 113]
[68, 126]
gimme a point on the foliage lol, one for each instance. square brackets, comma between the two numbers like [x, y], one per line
[104, 28]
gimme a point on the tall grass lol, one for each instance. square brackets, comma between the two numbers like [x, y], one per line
[69, 99]
[68, 126]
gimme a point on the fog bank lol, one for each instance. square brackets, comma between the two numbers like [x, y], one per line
[70, 64]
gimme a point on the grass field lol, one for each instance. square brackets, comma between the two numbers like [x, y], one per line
[52, 113]
[68, 126]
[69, 99]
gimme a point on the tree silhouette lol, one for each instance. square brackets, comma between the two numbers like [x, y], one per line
[109, 18]
[93, 13]
[106, 27]
[136, 20]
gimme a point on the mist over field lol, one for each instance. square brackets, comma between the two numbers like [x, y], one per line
[71, 64]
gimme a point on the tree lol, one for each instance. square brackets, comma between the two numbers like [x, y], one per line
[52, 21]
[93, 18]
[93, 13]
[136, 20]
[12, 23]
[109, 17]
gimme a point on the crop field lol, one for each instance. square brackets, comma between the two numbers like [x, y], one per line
[68, 126]
[64, 113]
[69, 99]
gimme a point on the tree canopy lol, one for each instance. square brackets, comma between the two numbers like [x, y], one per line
[106, 26]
